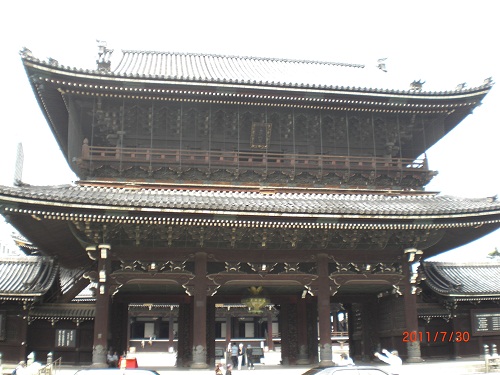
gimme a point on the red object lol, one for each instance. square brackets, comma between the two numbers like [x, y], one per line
[129, 363]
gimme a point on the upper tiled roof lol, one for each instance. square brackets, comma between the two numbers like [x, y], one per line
[255, 71]
[235, 69]
[463, 279]
[28, 277]
[251, 203]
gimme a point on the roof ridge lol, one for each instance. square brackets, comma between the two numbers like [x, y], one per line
[257, 58]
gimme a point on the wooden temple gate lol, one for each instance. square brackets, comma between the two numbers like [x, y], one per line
[194, 190]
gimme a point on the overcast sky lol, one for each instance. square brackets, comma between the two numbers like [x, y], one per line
[443, 43]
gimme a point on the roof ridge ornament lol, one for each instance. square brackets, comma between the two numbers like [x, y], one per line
[103, 56]
[416, 85]
[25, 53]
[382, 65]
[488, 81]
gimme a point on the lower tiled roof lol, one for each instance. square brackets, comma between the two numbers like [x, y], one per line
[338, 205]
[23, 278]
[63, 311]
[466, 280]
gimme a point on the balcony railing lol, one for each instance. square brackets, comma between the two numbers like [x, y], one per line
[248, 160]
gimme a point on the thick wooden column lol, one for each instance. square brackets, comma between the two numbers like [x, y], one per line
[289, 337]
[170, 331]
[303, 357]
[325, 331]
[200, 312]
[185, 334]
[410, 303]
[312, 330]
[228, 339]
[101, 321]
[270, 342]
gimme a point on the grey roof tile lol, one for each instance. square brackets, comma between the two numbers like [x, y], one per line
[85, 311]
[28, 277]
[463, 279]
[383, 205]
[261, 71]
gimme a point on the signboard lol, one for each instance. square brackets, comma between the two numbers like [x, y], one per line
[66, 338]
[485, 322]
[261, 135]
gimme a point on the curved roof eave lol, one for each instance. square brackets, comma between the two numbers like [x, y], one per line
[179, 81]
[294, 206]
[30, 277]
[463, 280]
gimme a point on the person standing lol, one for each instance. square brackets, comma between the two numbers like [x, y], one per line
[250, 357]
[241, 353]
[234, 355]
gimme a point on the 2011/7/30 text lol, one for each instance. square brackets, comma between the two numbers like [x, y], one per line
[438, 336]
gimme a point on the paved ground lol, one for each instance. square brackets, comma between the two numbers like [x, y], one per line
[451, 367]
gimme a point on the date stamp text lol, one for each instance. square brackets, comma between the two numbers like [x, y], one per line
[438, 336]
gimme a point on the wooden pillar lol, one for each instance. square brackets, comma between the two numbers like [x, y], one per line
[170, 330]
[101, 321]
[289, 333]
[210, 336]
[228, 339]
[228, 330]
[410, 305]
[303, 357]
[325, 331]
[22, 323]
[185, 334]
[312, 329]
[270, 342]
[157, 324]
[200, 312]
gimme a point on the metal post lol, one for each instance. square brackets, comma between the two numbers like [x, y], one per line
[50, 363]
[486, 357]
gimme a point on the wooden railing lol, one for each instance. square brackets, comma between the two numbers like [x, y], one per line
[248, 159]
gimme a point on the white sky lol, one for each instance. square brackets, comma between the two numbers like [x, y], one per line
[443, 42]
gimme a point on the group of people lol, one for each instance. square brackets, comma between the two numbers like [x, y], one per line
[112, 359]
[219, 367]
[30, 368]
[236, 357]
[391, 358]
[239, 355]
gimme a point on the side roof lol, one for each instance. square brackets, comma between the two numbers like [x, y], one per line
[26, 278]
[464, 281]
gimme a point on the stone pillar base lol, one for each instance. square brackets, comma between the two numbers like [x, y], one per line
[199, 358]
[303, 359]
[99, 357]
[326, 358]
[414, 354]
